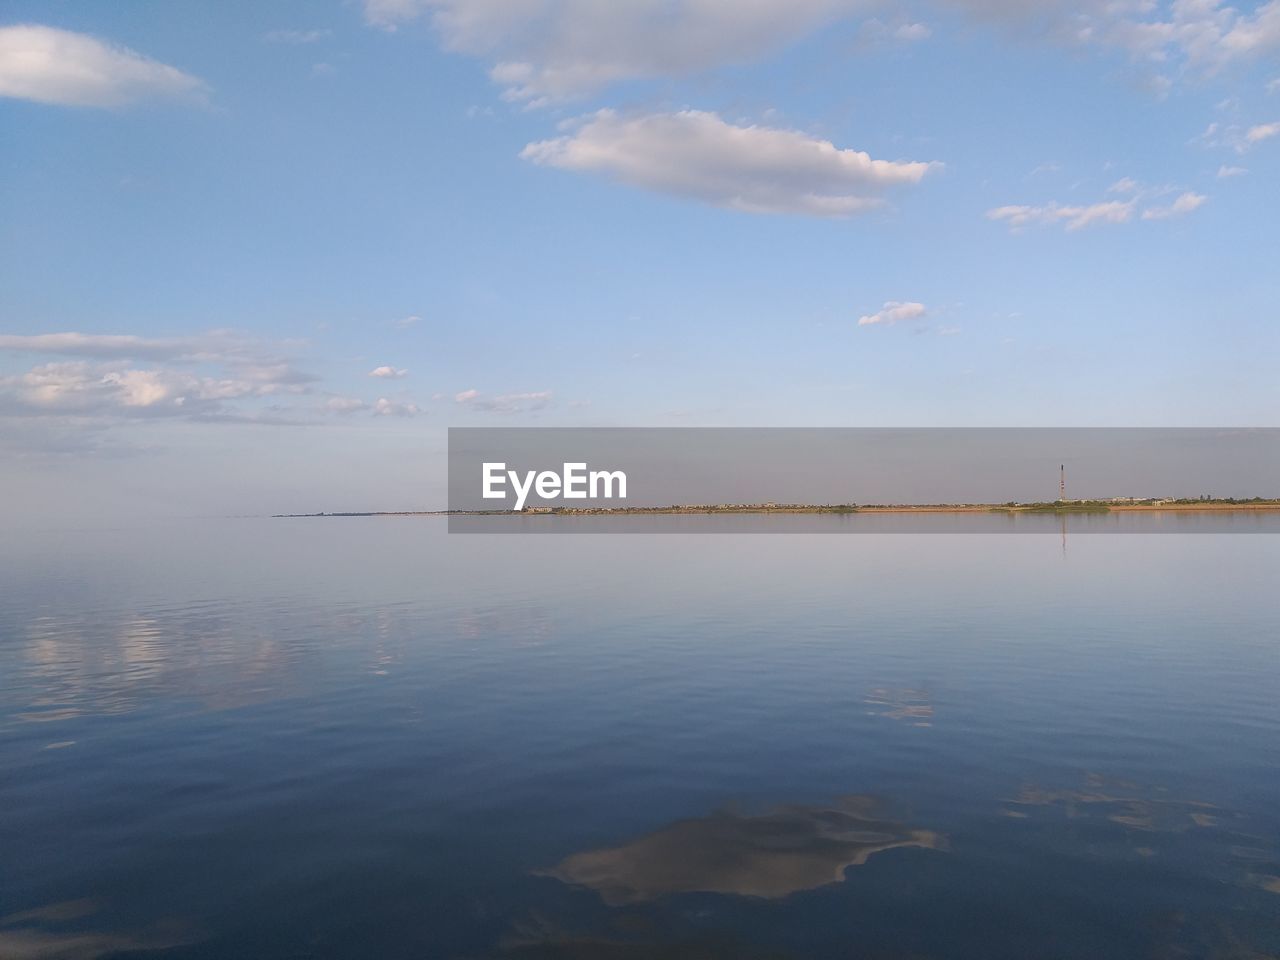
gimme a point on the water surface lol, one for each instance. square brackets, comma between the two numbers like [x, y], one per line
[364, 737]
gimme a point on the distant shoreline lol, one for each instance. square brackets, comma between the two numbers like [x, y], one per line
[1055, 507]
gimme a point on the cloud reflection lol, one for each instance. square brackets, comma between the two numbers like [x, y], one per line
[54, 932]
[1118, 801]
[908, 705]
[771, 855]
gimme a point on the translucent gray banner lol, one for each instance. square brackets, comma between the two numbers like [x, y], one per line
[861, 480]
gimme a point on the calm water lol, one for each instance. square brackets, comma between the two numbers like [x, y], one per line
[366, 738]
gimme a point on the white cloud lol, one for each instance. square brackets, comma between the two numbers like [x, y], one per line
[893, 312]
[250, 358]
[1263, 131]
[281, 374]
[545, 50]
[81, 388]
[1205, 35]
[1236, 137]
[344, 405]
[405, 322]
[104, 345]
[388, 373]
[1273, 85]
[392, 408]
[1185, 203]
[911, 32]
[875, 32]
[1077, 217]
[1240, 34]
[1211, 137]
[757, 169]
[505, 403]
[1225, 171]
[1074, 217]
[542, 51]
[115, 377]
[73, 69]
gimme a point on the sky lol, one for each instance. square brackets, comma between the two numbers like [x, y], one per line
[258, 258]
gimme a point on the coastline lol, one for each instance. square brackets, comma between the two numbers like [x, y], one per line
[1068, 508]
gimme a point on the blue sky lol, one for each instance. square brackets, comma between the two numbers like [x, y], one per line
[221, 219]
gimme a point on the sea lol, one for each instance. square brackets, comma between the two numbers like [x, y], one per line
[367, 737]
